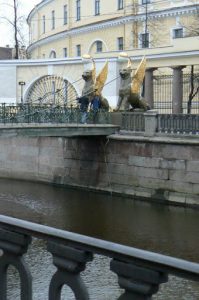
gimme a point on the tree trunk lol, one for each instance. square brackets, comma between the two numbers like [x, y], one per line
[191, 94]
[15, 31]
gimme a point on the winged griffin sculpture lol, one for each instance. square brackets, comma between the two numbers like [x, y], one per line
[94, 84]
[129, 91]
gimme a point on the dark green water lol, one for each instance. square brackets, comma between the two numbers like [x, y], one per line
[169, 230]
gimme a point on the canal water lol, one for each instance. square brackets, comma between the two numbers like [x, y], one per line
[164, 229]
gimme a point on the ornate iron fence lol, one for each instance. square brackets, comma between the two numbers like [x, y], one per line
[163, 93]
[49, 113]
[140, 273]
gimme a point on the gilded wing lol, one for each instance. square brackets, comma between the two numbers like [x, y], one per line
[101, 79]
[129, 64]
[93, 70]
[138, 77]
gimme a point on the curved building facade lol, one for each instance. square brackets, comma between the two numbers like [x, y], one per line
[70, 28]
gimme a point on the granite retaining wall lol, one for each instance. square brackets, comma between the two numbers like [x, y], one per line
[162, 169]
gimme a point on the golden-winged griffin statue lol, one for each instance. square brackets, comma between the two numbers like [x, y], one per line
[94, 84]
[129, 91]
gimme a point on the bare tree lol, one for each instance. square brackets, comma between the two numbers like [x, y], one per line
[192, 26]
[194, 90]
[15, 29]
[148, 32]
[192, 29]
[16, 21]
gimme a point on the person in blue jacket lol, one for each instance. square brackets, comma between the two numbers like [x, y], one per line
[95, 106]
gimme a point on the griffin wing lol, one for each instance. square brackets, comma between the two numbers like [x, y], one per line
[129, 64]
[101, 79]
[138, 76]
[93, 71]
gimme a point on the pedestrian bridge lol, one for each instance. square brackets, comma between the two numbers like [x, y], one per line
[62, 130]
[52, 120]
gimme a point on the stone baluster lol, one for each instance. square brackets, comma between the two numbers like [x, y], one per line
[139, 282]
[177, 90]
[149, 94]
[13, 245]
[70, 262]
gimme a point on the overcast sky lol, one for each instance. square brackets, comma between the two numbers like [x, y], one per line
[6, 30]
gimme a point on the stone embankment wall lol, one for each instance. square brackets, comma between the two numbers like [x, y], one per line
[160, 168]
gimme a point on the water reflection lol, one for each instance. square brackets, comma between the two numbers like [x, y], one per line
[167, 230]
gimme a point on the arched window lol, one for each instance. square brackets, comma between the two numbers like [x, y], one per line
[52, 54]
[98, 46]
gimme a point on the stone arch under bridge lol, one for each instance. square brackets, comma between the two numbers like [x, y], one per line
[51, 89]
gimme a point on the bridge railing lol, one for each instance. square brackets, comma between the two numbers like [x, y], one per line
[139, 272]
[49, 113]
[178, 124]
[151, 123]
[133, 123]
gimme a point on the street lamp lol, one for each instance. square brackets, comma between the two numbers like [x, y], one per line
[22, 83]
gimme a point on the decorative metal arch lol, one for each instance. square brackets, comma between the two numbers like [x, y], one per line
[52, 89]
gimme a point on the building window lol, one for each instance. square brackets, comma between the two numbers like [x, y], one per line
[98, 46]
[144, 40]
[53, 19]
[177, 33]
[120, 4]
[78, 13]
[65, 15]
[120, 43]
[65, 52]
[44, 24]
[52, 54]
[146, 1]
[78, 50]
[97, 7]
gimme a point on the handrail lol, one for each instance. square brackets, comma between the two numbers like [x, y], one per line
[119, 253]
[173, 265]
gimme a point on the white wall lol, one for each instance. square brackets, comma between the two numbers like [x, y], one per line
[7, 84]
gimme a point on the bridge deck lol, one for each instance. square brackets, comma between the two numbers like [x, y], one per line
[67, 130]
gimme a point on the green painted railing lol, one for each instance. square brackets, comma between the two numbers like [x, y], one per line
[50, 113]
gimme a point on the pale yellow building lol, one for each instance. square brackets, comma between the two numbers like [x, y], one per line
[61, 31]
[70, 28]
